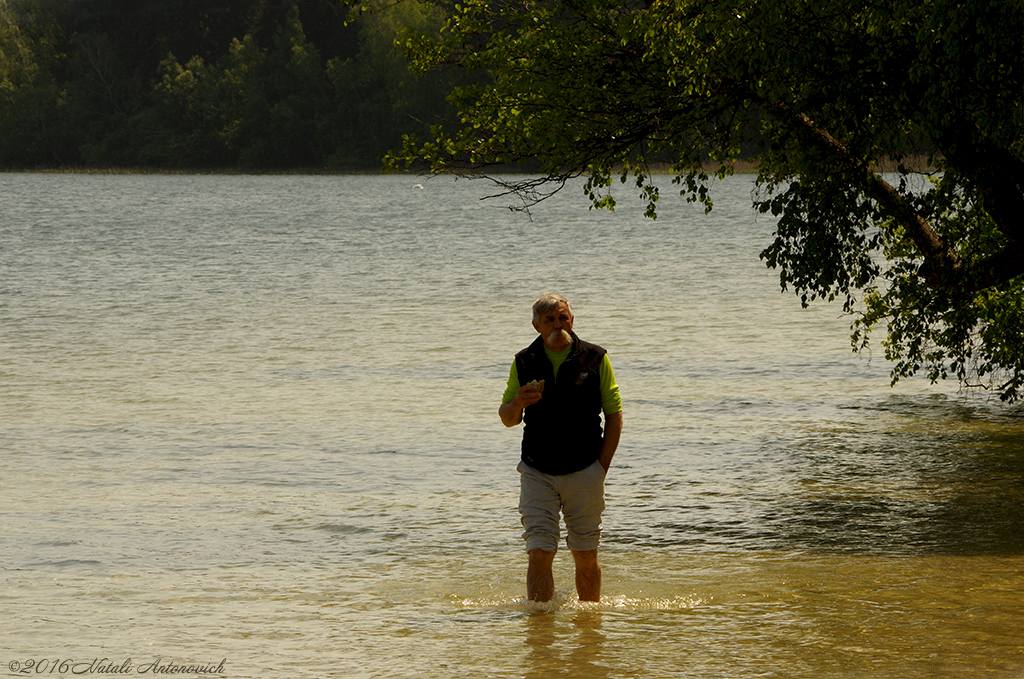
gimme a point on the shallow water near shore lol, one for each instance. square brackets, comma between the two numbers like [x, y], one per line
[254, 420]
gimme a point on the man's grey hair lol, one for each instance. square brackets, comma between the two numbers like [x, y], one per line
[547, 302]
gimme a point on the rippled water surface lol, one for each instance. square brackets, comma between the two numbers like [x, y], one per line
[254, 420]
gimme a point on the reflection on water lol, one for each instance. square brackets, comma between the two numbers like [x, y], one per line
[772, 614]
[565, 648]
[899, 477]
[255, 418]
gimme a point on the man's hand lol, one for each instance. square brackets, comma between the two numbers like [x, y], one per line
[612, 432]
[512, 412]
[530, 393]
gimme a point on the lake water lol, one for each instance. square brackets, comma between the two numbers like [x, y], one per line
[253, 420]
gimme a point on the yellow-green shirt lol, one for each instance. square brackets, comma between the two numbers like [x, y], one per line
[611, 402]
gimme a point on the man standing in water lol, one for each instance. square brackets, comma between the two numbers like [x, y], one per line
[560, 385]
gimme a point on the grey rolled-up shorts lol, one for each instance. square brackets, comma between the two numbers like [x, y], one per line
[578, 496]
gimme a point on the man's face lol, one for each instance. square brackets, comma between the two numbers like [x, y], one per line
[554, 326]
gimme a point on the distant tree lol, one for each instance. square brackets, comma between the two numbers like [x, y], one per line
[193, 117]
[831, 89]
[377, 97]
[283, 98]
[32, 98]
[243, 96]
[209, 83]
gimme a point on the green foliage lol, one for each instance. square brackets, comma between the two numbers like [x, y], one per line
[208, 83]
[31, 98]
[376, 92]
[818, 95]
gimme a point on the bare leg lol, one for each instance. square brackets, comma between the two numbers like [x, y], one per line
[540, 582]
[588, 575]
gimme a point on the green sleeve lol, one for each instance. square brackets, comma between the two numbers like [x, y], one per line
[610, 399]
[611, 402]
[513, 385]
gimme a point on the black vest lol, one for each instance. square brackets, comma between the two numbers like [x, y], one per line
[562, 432]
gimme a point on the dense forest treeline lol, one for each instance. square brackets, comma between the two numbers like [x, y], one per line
[207, 84]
